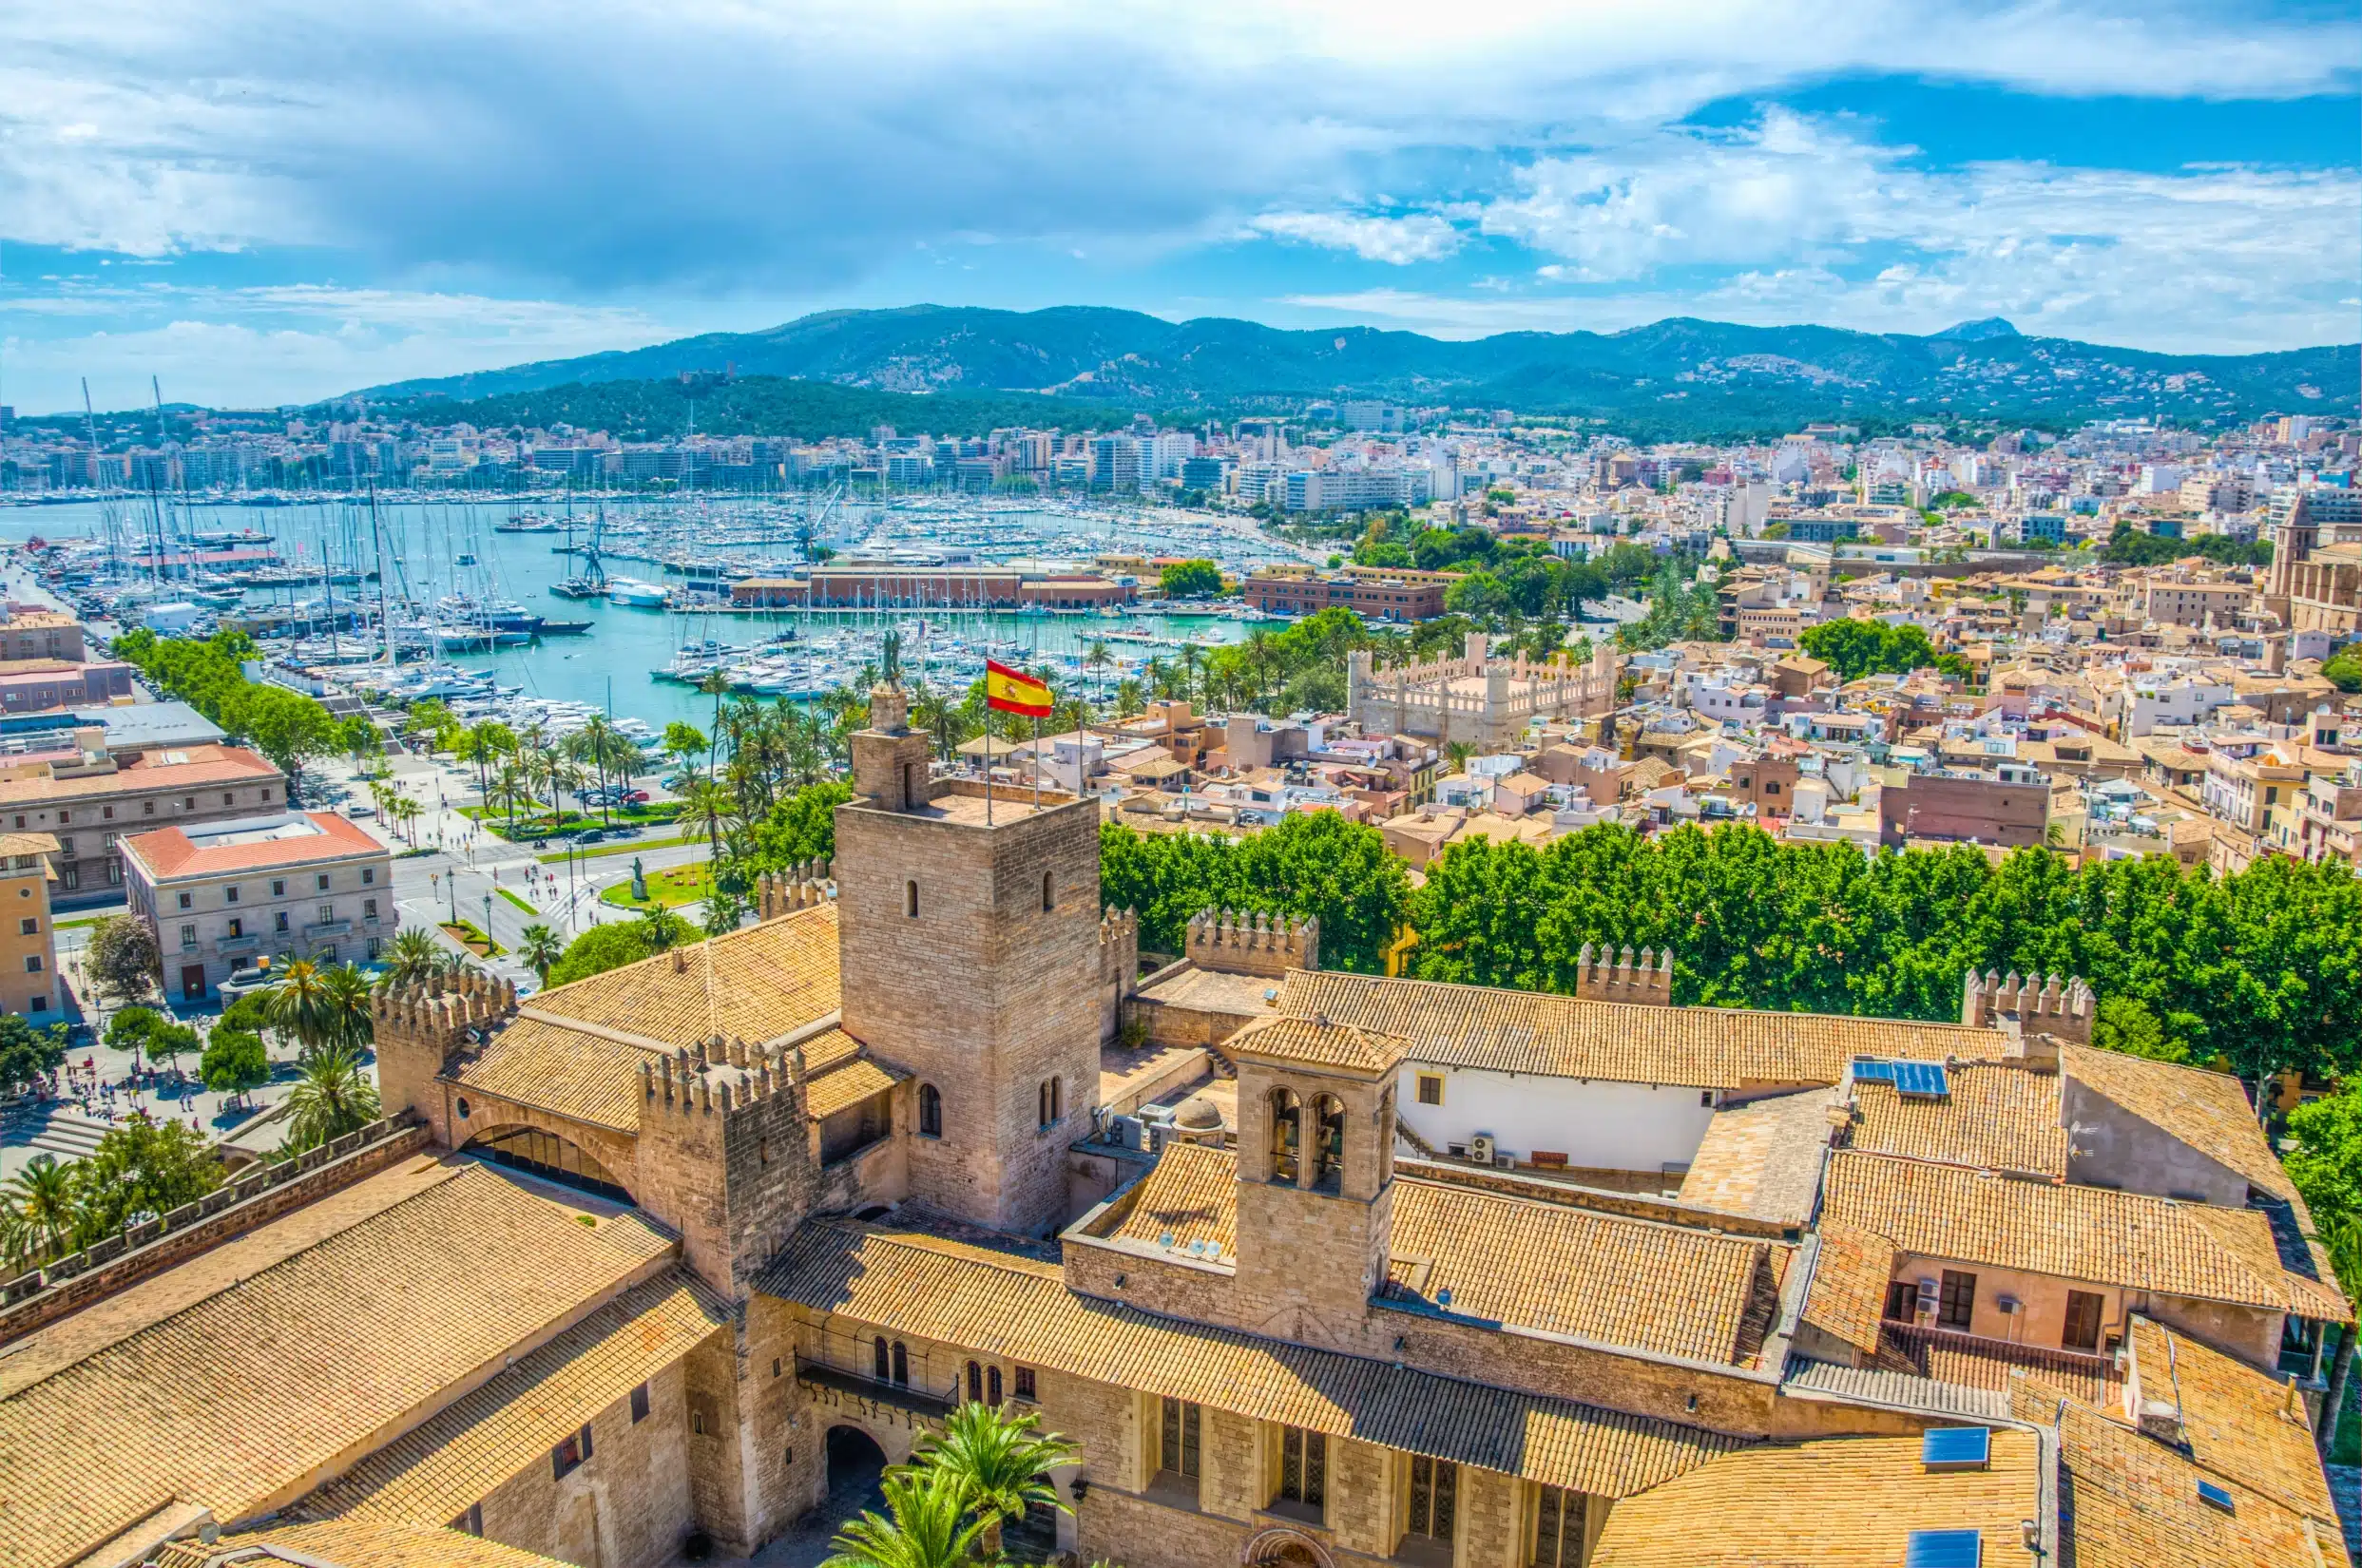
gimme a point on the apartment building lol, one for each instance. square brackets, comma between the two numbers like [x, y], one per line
[33, 631]
[27, 941]
[91, 800]
[289, 885]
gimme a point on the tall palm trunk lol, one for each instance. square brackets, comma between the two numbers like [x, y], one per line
[2334, 1402]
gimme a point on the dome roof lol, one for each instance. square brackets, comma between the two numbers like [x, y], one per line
[1198, 1114]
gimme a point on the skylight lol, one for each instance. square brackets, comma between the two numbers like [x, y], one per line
[1955, 1447]
[1944, 1549]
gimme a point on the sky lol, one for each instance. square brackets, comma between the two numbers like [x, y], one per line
[255, 201]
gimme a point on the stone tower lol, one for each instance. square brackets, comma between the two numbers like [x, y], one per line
[417, 1030]
[1315, 1175]
[969, 944]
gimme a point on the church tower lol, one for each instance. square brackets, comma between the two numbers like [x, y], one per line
[969, 943]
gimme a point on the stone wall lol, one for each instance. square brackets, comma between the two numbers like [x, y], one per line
[1235, 942]
[627, 1506]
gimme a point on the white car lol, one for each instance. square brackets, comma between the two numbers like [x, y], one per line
[360, 810]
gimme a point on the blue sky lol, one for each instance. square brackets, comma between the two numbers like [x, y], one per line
[259, 202]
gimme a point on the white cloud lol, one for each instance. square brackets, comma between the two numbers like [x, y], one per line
[1419, 236]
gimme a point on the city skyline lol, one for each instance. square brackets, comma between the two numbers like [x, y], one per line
[257, 207]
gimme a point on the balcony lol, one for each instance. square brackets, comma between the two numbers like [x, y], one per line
[921, 1402]
[230, 946]
[324, 929]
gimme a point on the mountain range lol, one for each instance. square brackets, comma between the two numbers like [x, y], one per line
[1679, 376]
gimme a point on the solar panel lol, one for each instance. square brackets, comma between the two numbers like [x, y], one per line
[1944, 1549]
[1869, 1069]
[1922, 1080]
[2214, 1497]
[1955, 1447]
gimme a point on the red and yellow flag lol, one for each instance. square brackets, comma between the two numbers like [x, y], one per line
[1014, 692]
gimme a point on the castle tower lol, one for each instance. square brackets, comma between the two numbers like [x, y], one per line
[971, 947]
[1316, 1188]
[416, 1030]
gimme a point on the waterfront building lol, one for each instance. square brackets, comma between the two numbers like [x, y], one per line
[90, 797]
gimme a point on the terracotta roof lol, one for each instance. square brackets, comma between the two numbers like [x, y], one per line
[353, 1544]
[2067, 1232]
[2208, 1111]
[433, 1473]
[146, 773]
[2129, 1501]
[1995, 1117]
[758, 984]
[1564, 1037]
[1008, 1307]
[572, 1072]
[1847, 1300]
[2242, 1424]
[1763, 1157]
[1319, 1042]
[1840, 1503]
[171, 851]
[368, 1305]
[1190, 1195]
[1971, 1361]
[842, 1074]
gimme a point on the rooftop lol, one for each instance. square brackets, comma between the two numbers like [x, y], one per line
[250, 844]
[180, 768]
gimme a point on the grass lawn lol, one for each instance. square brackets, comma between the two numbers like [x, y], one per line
[628, 846]
[76, 924]
[672, 888]
[465, 934]
[518, 902]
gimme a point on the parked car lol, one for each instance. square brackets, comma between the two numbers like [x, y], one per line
[590, 836]
[360, 809]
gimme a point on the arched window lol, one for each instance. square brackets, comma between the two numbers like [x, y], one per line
[1328, 1143]
[909, 900]
[929, 1110]
[1287, 1114]
[884, 1365]
[1051, 1101]
[993, 1385]
[1049, 893]
[975, 1382]
[902, 1363]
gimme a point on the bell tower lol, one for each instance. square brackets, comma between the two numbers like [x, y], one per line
[1315, 1175]
[969, 944]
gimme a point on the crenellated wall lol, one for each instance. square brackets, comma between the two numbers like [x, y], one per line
[1602, 975]
[1232, 942]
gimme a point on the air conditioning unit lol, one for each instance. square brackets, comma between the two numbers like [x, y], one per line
[2009, 1305]
[1124, 1132]
[1480, 1148]
[1925, 1316]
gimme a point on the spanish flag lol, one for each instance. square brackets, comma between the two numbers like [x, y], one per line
[1014, 692]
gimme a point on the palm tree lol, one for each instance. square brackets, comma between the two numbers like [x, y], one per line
[1095, 657]
[510, 790]
[478, 745]
[1190, 656]
[662, 927]
[999, 1461]
[925, 1526]
[349, 1012]
[410, 957]
[38, 1213]
[298, 1003]
[706, 805]
[1457, 752]
[333, 1098]
[541, 948]
[716, 685]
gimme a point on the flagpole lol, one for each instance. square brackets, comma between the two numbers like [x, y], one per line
[1037, 762]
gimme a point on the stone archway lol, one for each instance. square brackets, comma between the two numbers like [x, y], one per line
[854, 1458]
[1282, 1547]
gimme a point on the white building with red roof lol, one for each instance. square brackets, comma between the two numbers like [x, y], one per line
[220, 895]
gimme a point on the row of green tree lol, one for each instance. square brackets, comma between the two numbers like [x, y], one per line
[289, 728]
[1856, 648]
[2128, 545]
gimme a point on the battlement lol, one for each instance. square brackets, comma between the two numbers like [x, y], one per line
[1229, 942]
[2030, 1008]
[1602, 975]
[1119, 945]
[720, 1076]
[799, 886]
[442, 1008]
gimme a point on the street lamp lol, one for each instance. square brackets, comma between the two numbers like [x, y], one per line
[487, 924]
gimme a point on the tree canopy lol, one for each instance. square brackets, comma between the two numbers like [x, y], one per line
[1190, 580]
[1856, 648]
[1314, 864]
[287, 727]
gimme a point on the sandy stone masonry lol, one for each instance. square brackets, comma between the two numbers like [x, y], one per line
[799, 886]
[1230, 941]
[1602, 975]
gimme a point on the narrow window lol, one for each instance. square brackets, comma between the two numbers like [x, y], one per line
[902, 1363]
[568, 1455]
[993, 1385]
[1956, 1307]
[1050, 900]
[1024, 1384]
[29, 927]
[975, 1382]
[909, 900]
[639, 1404]
[1430, 1089]
[2082, 1321]
[1558, 1528]
[883, 1366]
[1902, 1301]
[1179, 1454]
[1304, 1468]
[1434, 1497]
[230, 895]
[1286, 1128]
[930, 1111]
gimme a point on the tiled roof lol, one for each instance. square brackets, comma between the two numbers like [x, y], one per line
[1847, 1300]
[436, 1471]
[1763, 1157]
[1973, 1361]
[1319, 1042]
[351, 1543]
[2207, 1111]
[842, 1074]
[148, 772]
[1564, 1037]
[2242, 1424]
[2067, 1232]
[572, 1072]
[170, 852]
[758, 984]
[2129, 1501]
[1190, 1195]
[233, 1380]
[1839, 1502]
[1995, 1117]
[1564, 1270]
[1022, 1311]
